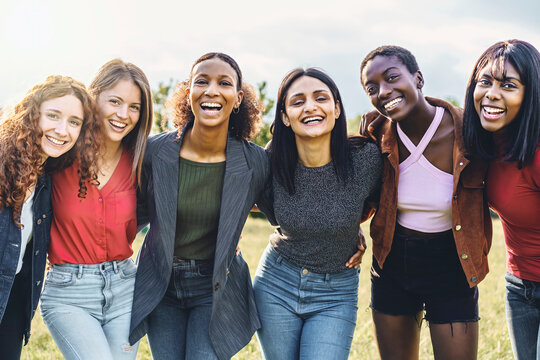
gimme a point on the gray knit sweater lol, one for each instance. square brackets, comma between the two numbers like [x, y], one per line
[318, 225]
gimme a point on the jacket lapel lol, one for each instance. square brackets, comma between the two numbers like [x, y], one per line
[235, 190]
[165, 174]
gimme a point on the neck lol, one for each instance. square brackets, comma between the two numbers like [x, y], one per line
[111, 151]
[418, 121]
[314, 152]
[205, 144]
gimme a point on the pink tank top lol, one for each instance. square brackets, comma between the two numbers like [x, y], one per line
[424, 191]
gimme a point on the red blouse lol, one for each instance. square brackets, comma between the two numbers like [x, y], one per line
[99, 228]
[515, 195]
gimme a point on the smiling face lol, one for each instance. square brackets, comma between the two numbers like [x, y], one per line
[60, 120]
[119, 107]
[498, 96]
[310, 109]
[213, 92]
[391, 88]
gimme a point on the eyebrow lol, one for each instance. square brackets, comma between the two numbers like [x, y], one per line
[59, 112]
[390, 68]
[315, 92]
[489, 75]
[119, 97]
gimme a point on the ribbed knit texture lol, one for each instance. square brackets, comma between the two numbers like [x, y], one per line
[319, 223]
[199, 200]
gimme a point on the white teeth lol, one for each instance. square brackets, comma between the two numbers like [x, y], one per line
[56, 141]
[212, 105]
[117, 124]
[312, 118]
[492, 110]
[392, 103]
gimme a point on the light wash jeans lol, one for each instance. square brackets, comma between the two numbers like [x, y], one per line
[178, 326]
[523, 317]
[304, 315]
[87, 309]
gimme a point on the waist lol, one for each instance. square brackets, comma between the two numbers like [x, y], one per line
[80, 269]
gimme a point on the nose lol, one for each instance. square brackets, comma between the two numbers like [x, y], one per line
[61, 127]
[492, 93]
[310, 105]
[384, 90]
[122, 111]
[211, 89]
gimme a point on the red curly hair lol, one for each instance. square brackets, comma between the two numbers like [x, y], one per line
[20, 143]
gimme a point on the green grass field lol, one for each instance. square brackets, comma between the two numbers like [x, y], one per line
[494, 342]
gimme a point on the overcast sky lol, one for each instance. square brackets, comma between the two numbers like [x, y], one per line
[267, 38]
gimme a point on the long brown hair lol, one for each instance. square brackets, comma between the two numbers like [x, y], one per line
[20, 143]
[108, 76]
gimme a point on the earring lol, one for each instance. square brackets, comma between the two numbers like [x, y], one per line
[236, 110]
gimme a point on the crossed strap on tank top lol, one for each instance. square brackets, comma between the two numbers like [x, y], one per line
[418, 151]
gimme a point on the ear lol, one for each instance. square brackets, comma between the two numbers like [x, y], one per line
[239, 98]
[285, 119]
[419, 80]
[337, 110]
[187, 97]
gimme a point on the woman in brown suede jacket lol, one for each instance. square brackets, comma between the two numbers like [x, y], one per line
[429, 254]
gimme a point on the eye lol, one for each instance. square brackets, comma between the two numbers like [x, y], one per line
[52, 116]
[484, 82]
[135, 107]
[321, 98]
[509, 85]
[297, 102]
[391, 78]
[200, 82]
[371, 90]
[225, 83]
[75, 122]
[114, 101]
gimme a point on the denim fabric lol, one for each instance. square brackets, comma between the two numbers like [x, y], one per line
[10, 247]
[523, 316]
[178, 326]
[87, 309]
[304, 315]
[424, 273]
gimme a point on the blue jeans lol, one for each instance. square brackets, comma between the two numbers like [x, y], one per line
[304, 315]
[523, 316]
[178, 326]
[87, 309]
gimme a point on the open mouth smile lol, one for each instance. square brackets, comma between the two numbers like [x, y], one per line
[211, 106]
[117, 124]
[392, 104]
[312, 120]
[491, 113]
[56, 141]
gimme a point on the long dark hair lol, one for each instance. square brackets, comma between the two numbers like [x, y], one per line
[524, 131]
[283, 152]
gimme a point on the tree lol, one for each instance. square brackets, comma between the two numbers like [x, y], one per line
[264, 135]
[160, 96]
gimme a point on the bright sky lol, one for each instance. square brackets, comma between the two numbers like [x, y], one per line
[39, 38]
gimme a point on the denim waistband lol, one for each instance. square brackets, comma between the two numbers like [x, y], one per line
[276, 257]
[80, 269]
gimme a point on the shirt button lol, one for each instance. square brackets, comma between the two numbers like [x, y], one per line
[458, 227]
[36, 253]
[44, 216]
[100, 199]
[474, 278]
[101, 221]
[460, 163]
[464, 256]
[305, 271]
[38, 282]
[39, 222]
[216, 287]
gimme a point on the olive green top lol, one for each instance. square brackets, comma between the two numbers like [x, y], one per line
[198, 205]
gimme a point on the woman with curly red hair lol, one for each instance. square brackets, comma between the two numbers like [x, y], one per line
[50, 128]
[193, 294]
[86, 302]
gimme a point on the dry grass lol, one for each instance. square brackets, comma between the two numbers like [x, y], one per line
[494, 342]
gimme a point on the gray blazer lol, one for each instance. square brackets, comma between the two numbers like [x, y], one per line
[247, 171]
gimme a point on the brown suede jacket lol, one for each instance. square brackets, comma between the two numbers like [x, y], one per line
[470, 214]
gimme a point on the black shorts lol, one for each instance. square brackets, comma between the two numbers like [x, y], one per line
[424, 274]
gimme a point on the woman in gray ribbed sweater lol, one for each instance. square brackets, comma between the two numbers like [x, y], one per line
[306, 286]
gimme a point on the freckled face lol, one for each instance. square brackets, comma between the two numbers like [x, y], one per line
[310, 109]
[60, 120]
[498, 97]
[213, 92]
[391, 88]
[120, 108]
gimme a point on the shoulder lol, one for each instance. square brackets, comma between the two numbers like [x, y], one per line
[256, 156]
[455, 112]
[156, 141]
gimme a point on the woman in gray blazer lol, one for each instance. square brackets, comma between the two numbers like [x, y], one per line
[193, 294]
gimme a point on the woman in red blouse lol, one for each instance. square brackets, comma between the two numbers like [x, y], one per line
[502, 124]
[87, 297]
